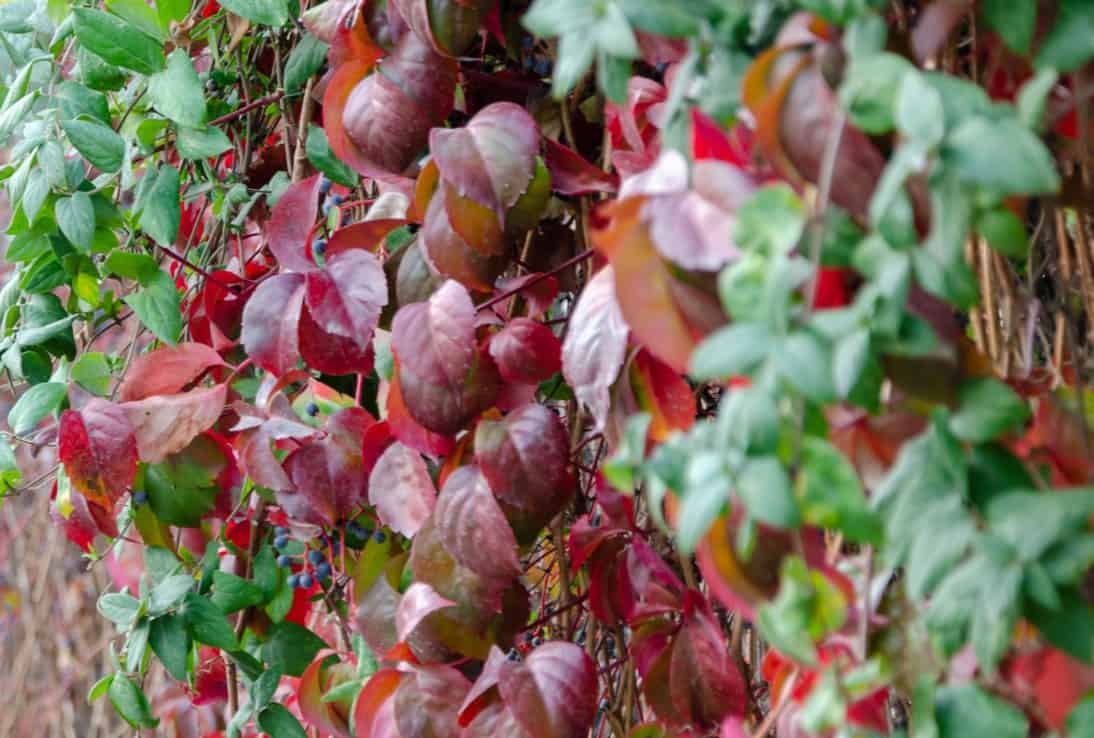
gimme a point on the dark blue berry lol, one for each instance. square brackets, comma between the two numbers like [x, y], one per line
[303, 581]
[537, 641]
[336, 199]
[140, 497]
[284, 561]
[356, 530]
[323, 571]
[324, 185]
[291, 581]
[513, 655]
[315, 558]
[661, 67]
[281, 531]
[312, 409]
[379, 536]
[281, 542]
[543, 66]
[334, 545]
[413, 228]
[526, 43]
[319, 247]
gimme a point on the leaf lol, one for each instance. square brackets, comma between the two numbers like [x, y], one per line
[276, 720]
[160, 215]
[448, 254]
[1004, 231]
[416, 604]
[764, 487]
[34, 405]
[323, 159]
[96, 142]
[552, 694]
[291, 647]
[268, 12]
[176, 92]
[705, 685]
[803, 361]
[492, 159]
[270, 323]
[473, 526]
[401, 489]
[166, 424]
[169, 592]
[1013, 20]
[831, 495]
[967, 711]
[346, 298]
[98, 447]
[156, 305]
[167, 370]
[116, 41]
[291, 222]
[869, 90]
[731, 351]
[526, 351]
[201, 143]
[849, 359]
[771, 221]
[306, 58]
[573, 175]
[1001, 155]
[919, 111]
[232, 593]
[119, 608]
[207, 624]
[129, 702]
[76, 218]
[1067, 45]
[595, 345]
[170, 642]
[988, 408]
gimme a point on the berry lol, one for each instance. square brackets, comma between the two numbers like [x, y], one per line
[319, 247]
[315, 558]
[513, 655]
[284, 561]
[323, 571]
[537, 641]
[356, 530]
[281, 541]
[312, 409]
[336, 199]
[324, 185]
[292, 580]
[379, 537]
[281, 532]
[543, 66]
[413, 228]
[140, 497]
[303, 581]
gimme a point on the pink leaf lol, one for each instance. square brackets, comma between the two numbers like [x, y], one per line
[526, 351]
[167, 424]
[346, 298]
[524, 458]
[553, 693]
[571, 174]
[474, 528]
[595, 345]
[167, 370]
[271, 323]
[436, 339]
[427, 701]
[417, 603]
[401, 490]
[290, 224]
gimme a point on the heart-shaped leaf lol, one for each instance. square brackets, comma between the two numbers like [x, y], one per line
[271, 323]
[167, 370]
[596, 344]
[474, 528]
[98, 447]
[291, 221]
[346, 298]
[526, 351]
[401, 489]
[552, 694]
[524, 458]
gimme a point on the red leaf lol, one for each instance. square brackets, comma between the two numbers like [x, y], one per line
[662, 393]
[709, 141]
[373, 714]
[366, 235]
[704, 682]
[346, 298]
[316, 681]
[450, 25]
[473, 526]
[538, 296]
[595, 345]
[526, 351]
[290, 224]
[407, 430]
[571, 174]
[417, 603]
[524, 458]
[436, 339]
[98, 447]
[449, 254]
[167, 424]
[427, 701]
[483, 690]
[271, 323]
[332, 354]
[492, 159]
[476, 224]
[552, 694]
[401, 490]
[79, 520]
[167, 370]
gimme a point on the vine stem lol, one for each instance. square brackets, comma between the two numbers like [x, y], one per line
[773, 714]
[191, 265]
[239, 112]
[537, 279]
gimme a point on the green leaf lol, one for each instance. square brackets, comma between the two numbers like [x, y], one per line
[1013, 20]
[988, 409]
[849, 359]
[169, 592]
[139, 14]
[180, 492]
[116, 41]
[76, 219]
[11, 117]
[919, 111]
[136, 644]
[831, 495]
[1067, 46]
[207, 624]
[748, 419]
[170, 642]
[291, 648]
[140, 267]
[232, 593]
[1080, 721]
[279, 722]
[1069, 628]
[1003, 156]
[708, 485]
[177, 93]
[771, 221]
[34, 405]
[269, 12]
[157, 307]
[172, 10]
[161, 213]
[1032, 97]
[733, 350]
[967, 711]
[1004, 232]
[92, 372]
[96, 142]
[995, 615]
[96, 72]
[306, 58]
[159, 562]
[621, 469]
[267, 574]
[99, 688]
[10, 476]
[803, 360]
[808, 607]
[323, 159]
[661, 17]
[201, 143]
[118, 608]
[129, 702]
[764, 487]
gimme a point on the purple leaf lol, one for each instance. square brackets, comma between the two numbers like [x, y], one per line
[346, 298]
[436, 339]
[571, 174]
[290, 224]
[524, 458]
[473, 527]
[271, 323]
[552, 694]
[418, 601]
[401, 490]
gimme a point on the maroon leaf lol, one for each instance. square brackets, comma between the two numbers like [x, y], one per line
[484, 688]
[332, 354]
[526, 351]
[401, 490]
[704, 683]
[450, 25]
[417, 603]
[408, 430]
[167, 370]
[538, 295]
[449, 254]
[474, 528]
[553, 693]
[427, 701]
[366, 235]
[346, 298]
[290, 224]
[436, 339]
[328, 475]
[596, 344]
[571, 174]
[271, 323]
[524, 458]
[98, 447]
[492, 159]
[167, 424]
